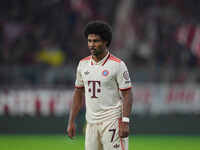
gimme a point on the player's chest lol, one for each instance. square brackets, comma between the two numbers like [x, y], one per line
[98, 73]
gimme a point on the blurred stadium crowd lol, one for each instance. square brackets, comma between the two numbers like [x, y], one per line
[41, 41]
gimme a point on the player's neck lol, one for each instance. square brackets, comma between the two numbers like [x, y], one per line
[100, 57]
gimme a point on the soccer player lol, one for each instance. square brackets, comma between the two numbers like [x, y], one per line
[105, 82]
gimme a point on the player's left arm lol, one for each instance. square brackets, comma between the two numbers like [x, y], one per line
[125, 85]
[126, 112]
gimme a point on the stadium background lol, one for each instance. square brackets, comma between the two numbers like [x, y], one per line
[41, 43]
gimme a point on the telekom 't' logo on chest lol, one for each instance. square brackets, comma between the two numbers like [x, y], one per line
[94, 87]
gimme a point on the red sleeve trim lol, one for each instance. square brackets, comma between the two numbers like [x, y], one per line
[79, 87]
[126, 89]
[114, 58]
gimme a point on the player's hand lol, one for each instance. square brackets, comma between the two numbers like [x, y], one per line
[71, 132]
[124, 129]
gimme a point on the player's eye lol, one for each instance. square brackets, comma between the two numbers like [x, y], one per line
[96, 41]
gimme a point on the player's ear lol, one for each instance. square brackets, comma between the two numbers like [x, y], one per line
[105, 43]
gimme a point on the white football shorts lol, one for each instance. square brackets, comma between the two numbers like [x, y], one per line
[104, 136]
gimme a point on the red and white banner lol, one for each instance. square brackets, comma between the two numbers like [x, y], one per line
[165, 99]
[148, 99]
[188, 35]
[35, 102]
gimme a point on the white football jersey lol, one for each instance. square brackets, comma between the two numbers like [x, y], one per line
[102, 82]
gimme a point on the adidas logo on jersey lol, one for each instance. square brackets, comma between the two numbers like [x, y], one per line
[116, 146]
[86, 72]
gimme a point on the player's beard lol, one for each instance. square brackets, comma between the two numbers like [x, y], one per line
[96, 52]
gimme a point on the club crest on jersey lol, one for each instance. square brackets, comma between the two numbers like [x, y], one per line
[105, 73]
[126, 75]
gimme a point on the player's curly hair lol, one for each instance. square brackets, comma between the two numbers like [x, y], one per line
[100, 28]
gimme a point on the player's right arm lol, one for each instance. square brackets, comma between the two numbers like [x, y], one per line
[76, 106]
[77, 102]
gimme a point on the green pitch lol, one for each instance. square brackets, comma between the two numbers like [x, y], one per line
[59, 142]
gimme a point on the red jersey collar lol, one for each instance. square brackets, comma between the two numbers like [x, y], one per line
[101, 62]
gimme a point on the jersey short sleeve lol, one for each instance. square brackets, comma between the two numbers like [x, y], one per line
[79, 80]
[123, 79]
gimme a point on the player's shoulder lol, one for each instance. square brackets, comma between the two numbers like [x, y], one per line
[114, 59]
[85, 60]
